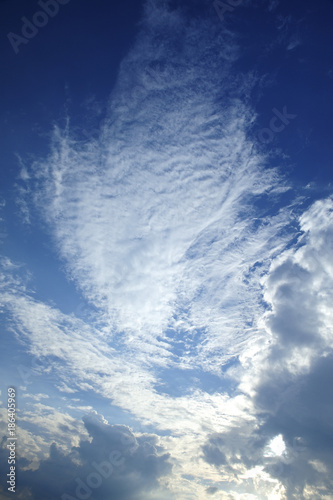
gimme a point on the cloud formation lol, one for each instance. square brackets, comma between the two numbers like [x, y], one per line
[112, 463]
[289, 381]
[170, 223]
[149, 218]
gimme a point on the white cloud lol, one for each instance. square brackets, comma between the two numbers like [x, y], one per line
[156, 223]
[36, 397]
[155, 218]
[287, 381]
[276, 446]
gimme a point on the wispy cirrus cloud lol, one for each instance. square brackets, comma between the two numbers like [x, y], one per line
[170, 226]
[238, 425]
[156, 217]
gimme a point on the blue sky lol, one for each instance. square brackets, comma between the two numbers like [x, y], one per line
[166, 231]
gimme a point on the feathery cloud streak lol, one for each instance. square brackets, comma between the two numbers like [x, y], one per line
[158, 224]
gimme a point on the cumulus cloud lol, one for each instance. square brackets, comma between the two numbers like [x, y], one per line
[289, 381]
[303, 414]
[299, 287]
[112, 463]
[296, 391]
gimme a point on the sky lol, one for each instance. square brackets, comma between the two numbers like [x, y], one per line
[166, 244]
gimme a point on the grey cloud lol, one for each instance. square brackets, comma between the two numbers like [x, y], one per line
[299, 288]
[234, 447]
[114, 464]
[304, 416]
[293, 388]
[295, 393]
[213, 453]
[295, 319]
[212, 490]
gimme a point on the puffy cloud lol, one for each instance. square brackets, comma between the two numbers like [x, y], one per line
[300, 409]
[112, 463]
[299, 288]
[290, 380]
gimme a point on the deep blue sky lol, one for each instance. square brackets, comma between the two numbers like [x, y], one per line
[166, 271]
